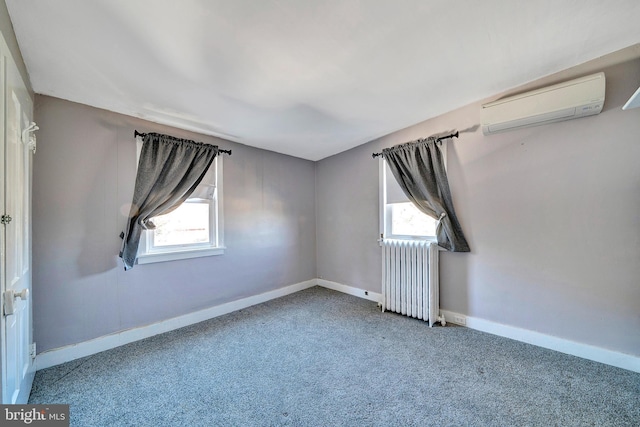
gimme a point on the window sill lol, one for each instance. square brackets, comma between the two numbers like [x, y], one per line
[405, 237]
[177, 255]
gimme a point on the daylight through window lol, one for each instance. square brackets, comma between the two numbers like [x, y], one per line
[407, 220]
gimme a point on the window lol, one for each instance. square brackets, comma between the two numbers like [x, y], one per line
[399, 218]
[407, 221]
[192, 230]
[187, 225]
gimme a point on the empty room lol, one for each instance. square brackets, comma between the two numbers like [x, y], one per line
[318, 213]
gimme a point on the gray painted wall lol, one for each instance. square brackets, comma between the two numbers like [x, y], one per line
[84, 172]
[551, 214]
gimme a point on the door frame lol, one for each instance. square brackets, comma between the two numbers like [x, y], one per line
[7, 65]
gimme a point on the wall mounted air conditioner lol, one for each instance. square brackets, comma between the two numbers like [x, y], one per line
[564, 101]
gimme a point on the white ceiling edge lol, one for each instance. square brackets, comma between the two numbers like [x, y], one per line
[599, 61]
[203, 128]
[333, 81]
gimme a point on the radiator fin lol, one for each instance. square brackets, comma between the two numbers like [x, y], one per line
[410, 278]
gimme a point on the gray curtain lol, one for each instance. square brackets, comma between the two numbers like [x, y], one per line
[418, 167]
[169, 170]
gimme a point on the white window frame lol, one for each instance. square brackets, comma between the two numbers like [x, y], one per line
[149, 253]
[385, 208]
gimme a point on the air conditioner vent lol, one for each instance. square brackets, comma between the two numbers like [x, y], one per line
[564, 101]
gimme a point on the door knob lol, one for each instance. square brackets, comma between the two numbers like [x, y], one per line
[23, 294]
[10, 296]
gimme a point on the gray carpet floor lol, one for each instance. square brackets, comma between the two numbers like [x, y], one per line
[322, 358]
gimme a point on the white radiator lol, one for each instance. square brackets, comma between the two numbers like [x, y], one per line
[410, 280]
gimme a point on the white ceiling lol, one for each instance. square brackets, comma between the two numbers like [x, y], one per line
[309, 78]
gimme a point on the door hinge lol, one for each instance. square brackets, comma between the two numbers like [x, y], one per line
[32, 350]
[5, 219]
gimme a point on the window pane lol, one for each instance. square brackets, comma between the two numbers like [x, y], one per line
[407, 220]
[186, 225]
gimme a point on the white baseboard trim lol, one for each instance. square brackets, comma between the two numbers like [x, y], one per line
[71, 352]
[371, 296]
[585, 351]
[68, 353]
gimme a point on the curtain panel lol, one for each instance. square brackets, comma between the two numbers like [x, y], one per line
[169, 170]
[418, 167]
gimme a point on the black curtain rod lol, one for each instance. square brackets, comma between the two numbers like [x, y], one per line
[453, 135]
[136, 134]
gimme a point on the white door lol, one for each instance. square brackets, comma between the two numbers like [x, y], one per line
[15, 234]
